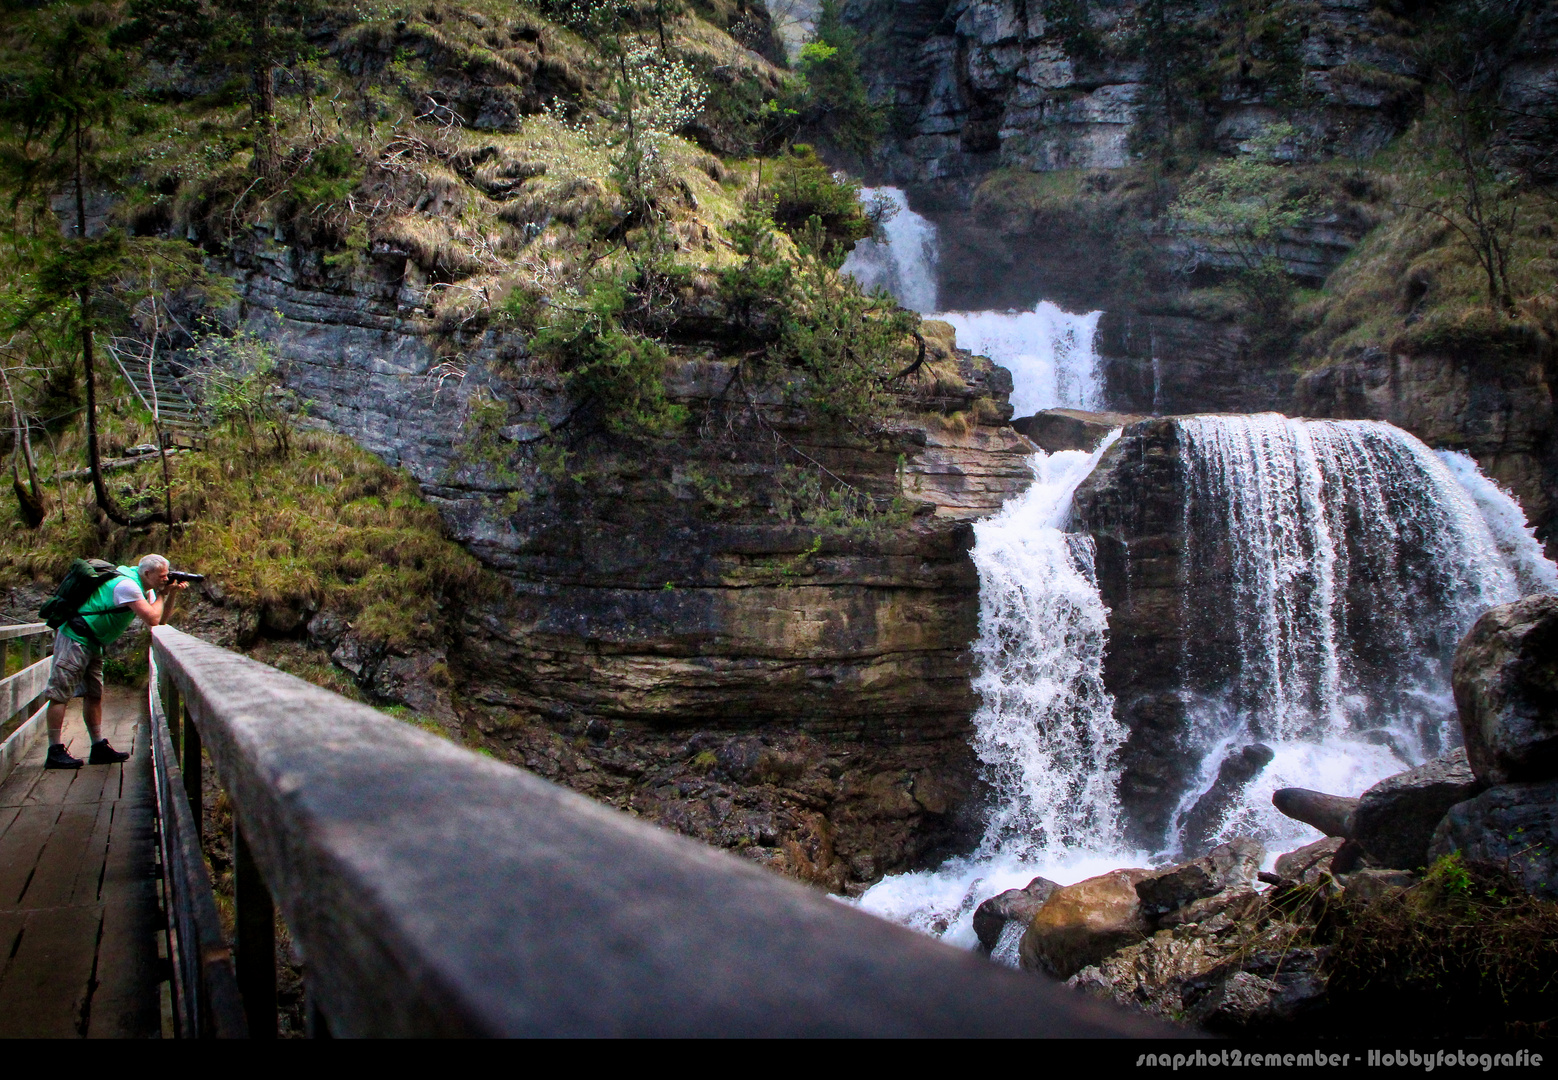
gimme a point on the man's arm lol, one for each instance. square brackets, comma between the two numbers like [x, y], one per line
[155, 613]
[149, 611]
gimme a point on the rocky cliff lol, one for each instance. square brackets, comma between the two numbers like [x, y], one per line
[980, 84]
[667, 641]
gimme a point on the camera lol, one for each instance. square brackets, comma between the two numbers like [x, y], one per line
[184, 575]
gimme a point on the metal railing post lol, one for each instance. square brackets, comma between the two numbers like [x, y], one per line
[256, 940]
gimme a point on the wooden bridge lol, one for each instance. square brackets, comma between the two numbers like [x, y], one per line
[429, 890]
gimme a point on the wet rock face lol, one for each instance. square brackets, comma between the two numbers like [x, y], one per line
[1013, 907]
[1506, 690]
[654, 592]
[1132, 507]
[1331, 814]
[1395, 819]
[1053, 430]
[1311, 858]
[1163, 364]
[1081, 924]
[1227, 866]
[1514, 826]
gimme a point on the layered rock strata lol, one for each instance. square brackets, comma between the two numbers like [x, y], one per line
[660, 614]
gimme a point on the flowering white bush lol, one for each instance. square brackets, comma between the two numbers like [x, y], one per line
[666, 93]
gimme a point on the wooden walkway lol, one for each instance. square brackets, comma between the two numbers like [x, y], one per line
[80, 920]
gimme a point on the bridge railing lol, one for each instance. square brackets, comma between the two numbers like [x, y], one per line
[434, 891]
[20, 692]
[206, 1003]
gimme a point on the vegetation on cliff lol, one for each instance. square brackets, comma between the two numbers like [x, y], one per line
[574, 172]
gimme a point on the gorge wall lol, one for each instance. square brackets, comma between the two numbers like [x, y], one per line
[664, 640]
[975, 85]
[1047, 143]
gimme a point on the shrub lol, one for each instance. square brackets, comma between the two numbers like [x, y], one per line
[801, 188]
[1466, 952]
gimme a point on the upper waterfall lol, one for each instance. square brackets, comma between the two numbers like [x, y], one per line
[903, 262]
[1049, 351]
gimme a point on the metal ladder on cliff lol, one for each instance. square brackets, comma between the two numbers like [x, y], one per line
[183, 422]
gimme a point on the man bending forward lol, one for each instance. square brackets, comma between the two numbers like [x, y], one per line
[78, 654]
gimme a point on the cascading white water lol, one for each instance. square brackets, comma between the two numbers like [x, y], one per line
[1517, 542]
[1341, 561]
[1333, 566]
[1046, 732]
[1048, 351]
[1348, 559]
[904, 262]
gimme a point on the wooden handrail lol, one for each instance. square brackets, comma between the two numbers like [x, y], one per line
[205, 992]
[433, 891]
[19, 693]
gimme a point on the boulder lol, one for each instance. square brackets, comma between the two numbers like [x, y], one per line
[1506, 688]
[1233, 774]
[1297, 865]
[1331, 814]
[1236, 972]
[1370, 884]
[1070, 429]
[1013, 905]
[1081, 924]
[1230, 905]
[1396, 818]
[1229, 865]
[1246, 1001]
[1514, 826]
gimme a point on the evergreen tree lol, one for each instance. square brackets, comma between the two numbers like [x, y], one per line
[60, 98]
[837, 106]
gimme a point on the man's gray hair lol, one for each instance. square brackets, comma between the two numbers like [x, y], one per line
[150, 563]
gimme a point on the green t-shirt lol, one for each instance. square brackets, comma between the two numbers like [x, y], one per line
[107, 612]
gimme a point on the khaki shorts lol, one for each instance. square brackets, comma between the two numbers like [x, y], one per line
[75, 672]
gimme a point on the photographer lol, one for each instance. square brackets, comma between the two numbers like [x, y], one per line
[78, 653]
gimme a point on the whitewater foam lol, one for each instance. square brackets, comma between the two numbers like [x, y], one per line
[1048, 350]
[903, 263]
[1316, 532]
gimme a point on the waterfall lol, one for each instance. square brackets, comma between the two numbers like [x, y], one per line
[904, 262]
[1517, 542]
[1048, 351]
[1331, 568]
[1046, 732]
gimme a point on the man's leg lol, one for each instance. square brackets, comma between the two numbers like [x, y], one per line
[55, 719]
[92, 713]
[70, 661]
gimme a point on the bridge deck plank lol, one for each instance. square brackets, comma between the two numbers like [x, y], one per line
[20, 783]
[79, 913]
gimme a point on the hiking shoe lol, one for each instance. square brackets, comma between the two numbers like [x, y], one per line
[58, 758]
[103, 754]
